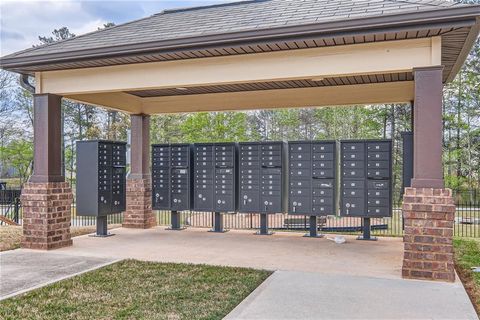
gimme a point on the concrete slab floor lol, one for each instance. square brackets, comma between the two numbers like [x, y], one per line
[282, 251]
[23, 270]
[301, 295]
[318, 279]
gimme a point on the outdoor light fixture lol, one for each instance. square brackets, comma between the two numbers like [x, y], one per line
[319, 79]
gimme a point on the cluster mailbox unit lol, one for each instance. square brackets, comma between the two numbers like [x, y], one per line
[171, 179]
[101, 180]
[312, 180]
[215, 179]
[263, 179]
[366, 186]
[299, 177]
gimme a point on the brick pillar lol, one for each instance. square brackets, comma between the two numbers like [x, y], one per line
[46, 215]
[429, 217]
[139, 186]
[47, 198]
[139, 213]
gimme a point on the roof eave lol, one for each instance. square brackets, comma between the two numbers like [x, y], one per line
[464, 16]
[466, 49]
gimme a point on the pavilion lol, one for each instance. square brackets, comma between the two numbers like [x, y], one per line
[252, 55]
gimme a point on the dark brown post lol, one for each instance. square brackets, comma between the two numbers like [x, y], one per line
[428, 128]
[47, 198]
[140, 146]
[428, 208]
[139, 185]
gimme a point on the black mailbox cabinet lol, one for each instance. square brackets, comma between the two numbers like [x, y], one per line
[312, 178]
[215, 177]
[366, 178]
[172, 171]
[101, 178]
[263, 177]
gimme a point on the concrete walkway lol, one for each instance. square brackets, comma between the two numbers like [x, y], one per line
[282, 251]
[314, 278]
[302, 295]
[25, 270]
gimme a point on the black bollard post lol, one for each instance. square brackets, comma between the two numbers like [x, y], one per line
[176, 224]
[264, 225]
[102, 228]
[313, 229]
[366, 231]
[218, 223]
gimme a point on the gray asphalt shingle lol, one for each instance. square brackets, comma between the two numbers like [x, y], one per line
[234, 17]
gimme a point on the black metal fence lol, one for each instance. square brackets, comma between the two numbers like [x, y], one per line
[283, 222]
[467, 218]
[10, 209]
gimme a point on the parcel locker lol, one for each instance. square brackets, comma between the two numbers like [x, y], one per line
[101, 178]
[366, 178]
[215, 177]
[312, 178]
[263, 178]
[172, 172]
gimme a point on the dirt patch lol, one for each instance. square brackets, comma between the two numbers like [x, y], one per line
[11, 236]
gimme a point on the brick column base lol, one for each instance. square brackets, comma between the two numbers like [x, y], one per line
[139, 213]
[46, 215]
[429, 217]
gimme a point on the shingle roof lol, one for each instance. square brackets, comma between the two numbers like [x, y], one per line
[234, 17]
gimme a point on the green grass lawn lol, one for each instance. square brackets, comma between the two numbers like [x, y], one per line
[139, 290]
[467, 255]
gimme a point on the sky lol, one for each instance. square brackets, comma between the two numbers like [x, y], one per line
[22, 21]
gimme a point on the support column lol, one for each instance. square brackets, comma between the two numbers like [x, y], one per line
[428, 208]
[47, 198]
[139, 185]
[428, 128]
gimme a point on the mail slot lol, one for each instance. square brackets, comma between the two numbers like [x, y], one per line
[323, 156]
[379, 156]
[323, 173]
[323, 147]
[378, 173]
[379, 211]
[101, 177]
